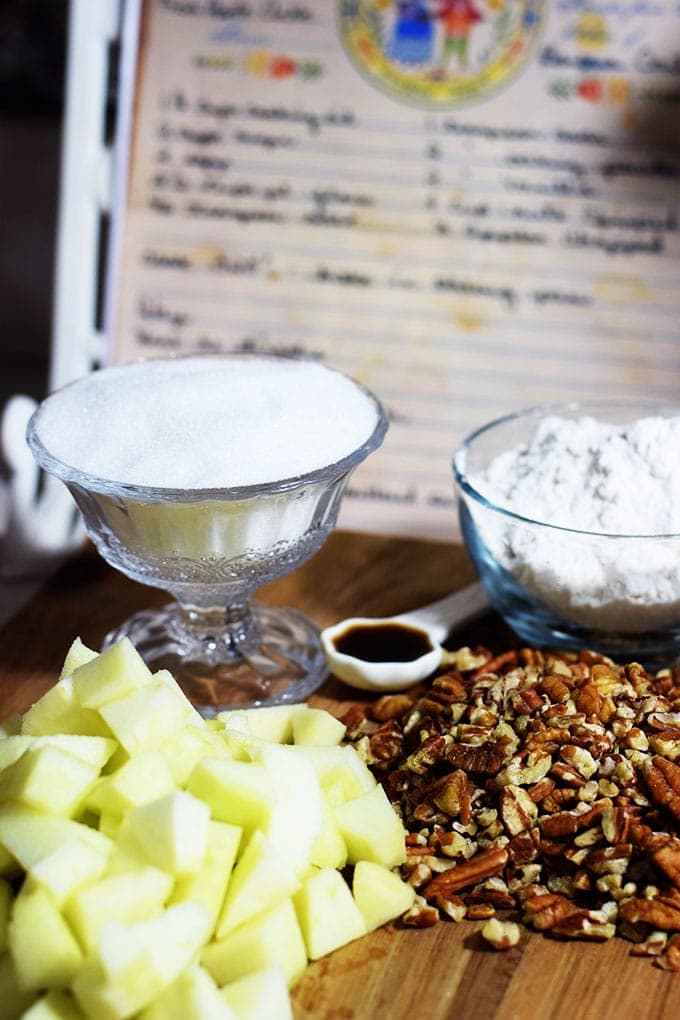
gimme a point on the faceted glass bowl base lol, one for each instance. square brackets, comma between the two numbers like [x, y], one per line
[269, 656]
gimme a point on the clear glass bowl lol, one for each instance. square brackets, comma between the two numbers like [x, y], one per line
[562, 587]
[211, 549]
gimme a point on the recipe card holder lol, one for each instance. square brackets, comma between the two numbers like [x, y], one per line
[38, 526]
[402, 222]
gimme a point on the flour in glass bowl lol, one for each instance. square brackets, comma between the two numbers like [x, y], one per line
[609, 480]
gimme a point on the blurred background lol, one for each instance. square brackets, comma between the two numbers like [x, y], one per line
[32, 61]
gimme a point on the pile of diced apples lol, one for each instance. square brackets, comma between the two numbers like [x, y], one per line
[160, 866]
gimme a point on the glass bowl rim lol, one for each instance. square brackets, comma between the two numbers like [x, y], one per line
[153, 493]
[543, 410]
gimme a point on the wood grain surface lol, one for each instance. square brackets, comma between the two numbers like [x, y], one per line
[393, 974]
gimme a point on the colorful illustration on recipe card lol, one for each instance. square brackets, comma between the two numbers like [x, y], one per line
[440, 53]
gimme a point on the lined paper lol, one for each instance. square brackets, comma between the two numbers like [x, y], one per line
[492, 226]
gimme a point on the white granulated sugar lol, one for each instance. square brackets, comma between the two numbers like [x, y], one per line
[206, 422]
[609, 480]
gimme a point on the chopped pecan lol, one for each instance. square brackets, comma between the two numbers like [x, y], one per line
[496, 895]
[386, 745]
[555, 686]
[432, 750]
[653, 945]
[451, 906]
[486, 758]
[567, 774]
[501, 935]
[499, 664]
[667, 858]
[523, 847]
[580, 925]
[566, 823]
[559, 799]
[545, 910]
[671, 958]
[663, 780]
[392, 706]
[526, 702]
[449, 687]
[653, 912]
[616, 824]
[419, 874]
[517, 809]
[541, 789]
[610, 859]
[483, 865]
[420, 914]
[451, 794]
[480, 911]
[589, 699]
[355, 721]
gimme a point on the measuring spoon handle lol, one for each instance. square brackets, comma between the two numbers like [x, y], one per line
[453, 610]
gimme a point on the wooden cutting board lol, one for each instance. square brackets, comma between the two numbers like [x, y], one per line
[393, 974]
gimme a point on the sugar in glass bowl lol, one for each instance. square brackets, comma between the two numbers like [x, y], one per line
[570, 516]
[208, 477]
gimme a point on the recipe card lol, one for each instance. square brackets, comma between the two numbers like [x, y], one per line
[471, 207]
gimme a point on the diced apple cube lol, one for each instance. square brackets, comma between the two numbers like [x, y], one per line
[270, 722]
[123, 987]
[54, 1006]
[93, 750]
[59, 711]
[258, 995]
[133, 964]
[339, 769]
[260, 880]
[270, 939]
[175, 937]
[145, 718]
[69, 867]
[49, 779]
[113, 674]
[171, 832]
[237, 792]
[191, 715]
[29, 835]
[295, 820]
[77, 655]
[127, 898]
[317, 727]
[372, 830]
[184, 749]
[141, 779]
[193, 996]
[43, 947]
[327, 914]
[208, 886]
[329, 849]
[241, 745]
[380, 894]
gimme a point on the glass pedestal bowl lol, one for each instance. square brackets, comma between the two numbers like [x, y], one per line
[211, 549]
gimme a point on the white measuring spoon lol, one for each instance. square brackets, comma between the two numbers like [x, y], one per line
[424, 629]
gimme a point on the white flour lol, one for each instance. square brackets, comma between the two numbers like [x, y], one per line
[609, 480]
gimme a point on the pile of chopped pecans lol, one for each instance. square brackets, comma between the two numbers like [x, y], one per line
[541, 786]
